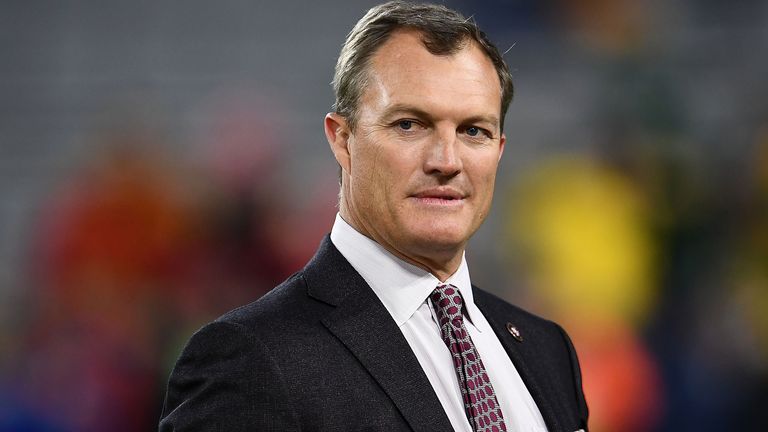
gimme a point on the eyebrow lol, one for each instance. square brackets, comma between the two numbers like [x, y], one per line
[491, 120]
[410, 109]
[406, 109]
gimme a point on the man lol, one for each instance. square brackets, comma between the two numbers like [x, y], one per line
[382, 330]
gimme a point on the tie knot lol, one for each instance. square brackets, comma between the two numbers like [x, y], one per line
[447, 301]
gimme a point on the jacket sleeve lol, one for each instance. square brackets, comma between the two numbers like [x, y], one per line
[577, 385]
[226, 380]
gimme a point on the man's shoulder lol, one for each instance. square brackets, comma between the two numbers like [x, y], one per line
[542, 346]
[293, 299]
[496, 308]
[278, 304]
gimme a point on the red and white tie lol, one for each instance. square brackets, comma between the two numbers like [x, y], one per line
[480, 402]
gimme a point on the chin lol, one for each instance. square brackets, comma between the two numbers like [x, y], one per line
[443, 236]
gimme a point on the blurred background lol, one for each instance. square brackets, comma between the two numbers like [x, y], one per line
[164, 162]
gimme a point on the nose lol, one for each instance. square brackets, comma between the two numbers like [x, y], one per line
[442, 155]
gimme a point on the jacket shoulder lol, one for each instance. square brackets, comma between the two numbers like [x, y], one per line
[495, 306]
[275, 304]
[545, 345]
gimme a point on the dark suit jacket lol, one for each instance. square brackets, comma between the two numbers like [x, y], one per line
[321, 353]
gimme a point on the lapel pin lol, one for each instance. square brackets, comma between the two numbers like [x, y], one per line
[514, 332]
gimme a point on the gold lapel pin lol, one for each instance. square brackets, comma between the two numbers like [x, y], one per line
[514, 332]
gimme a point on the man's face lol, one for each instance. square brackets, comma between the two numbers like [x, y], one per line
[419, 168]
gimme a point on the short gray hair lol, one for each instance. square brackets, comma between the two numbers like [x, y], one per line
[443, 32]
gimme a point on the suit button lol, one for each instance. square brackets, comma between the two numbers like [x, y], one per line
[514, 332]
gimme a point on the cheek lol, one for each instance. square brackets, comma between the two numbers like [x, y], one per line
[364, 168]
[393, 170]
[485, 173]
[483, 185]
[376, 188]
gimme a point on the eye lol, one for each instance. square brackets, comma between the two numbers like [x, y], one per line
[477, 132]
[405, 124]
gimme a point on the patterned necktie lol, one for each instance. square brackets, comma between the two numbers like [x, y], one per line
[480, 402]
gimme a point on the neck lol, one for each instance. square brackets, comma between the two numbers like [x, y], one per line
[441, 263]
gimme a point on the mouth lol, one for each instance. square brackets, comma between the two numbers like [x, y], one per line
[440, 196]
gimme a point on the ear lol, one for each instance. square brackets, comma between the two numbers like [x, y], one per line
[502, 142]
[337, 133]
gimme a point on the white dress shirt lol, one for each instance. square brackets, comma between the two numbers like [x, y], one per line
[404, 290]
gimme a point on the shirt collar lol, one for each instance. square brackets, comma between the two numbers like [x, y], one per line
[401, 286]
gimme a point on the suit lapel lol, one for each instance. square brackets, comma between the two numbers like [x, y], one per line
[361, 322]
[523, 359]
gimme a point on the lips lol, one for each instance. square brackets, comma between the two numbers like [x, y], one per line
[440, 194]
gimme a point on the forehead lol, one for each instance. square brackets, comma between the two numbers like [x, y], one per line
[403, 71]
